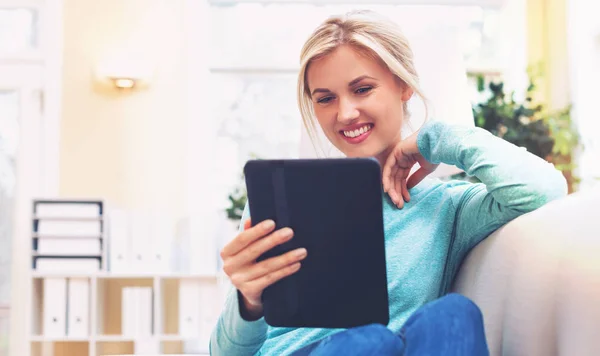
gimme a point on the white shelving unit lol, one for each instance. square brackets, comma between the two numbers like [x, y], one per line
[105, 310]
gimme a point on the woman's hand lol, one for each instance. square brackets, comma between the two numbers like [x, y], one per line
[251, 278]
[403, 157]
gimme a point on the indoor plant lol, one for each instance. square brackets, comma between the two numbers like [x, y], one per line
[548, 134]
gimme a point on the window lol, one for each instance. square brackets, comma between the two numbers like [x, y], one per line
[255, 47]
[9, 139]
[254, 111]
[18, 32]
[24, 47]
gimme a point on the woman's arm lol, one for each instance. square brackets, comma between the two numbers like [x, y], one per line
[233, 335]
[514, 181]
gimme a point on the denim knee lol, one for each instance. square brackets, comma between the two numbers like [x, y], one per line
[371, 339]
[460, 305]
[374, 328]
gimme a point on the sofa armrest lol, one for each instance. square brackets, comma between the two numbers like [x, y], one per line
[537, 280]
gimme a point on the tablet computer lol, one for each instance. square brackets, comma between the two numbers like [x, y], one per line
[334, 206]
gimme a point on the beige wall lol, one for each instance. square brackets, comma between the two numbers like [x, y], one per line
[128, 147]
[547, 44]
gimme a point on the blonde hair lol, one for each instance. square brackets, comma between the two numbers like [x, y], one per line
[369, 33]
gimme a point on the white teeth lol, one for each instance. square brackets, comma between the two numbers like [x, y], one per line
[357, 132]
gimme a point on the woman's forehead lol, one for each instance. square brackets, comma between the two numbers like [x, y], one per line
[343, 65]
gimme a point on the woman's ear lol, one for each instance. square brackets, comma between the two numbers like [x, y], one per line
[407, 93]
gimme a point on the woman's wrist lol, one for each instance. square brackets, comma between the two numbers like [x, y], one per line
[249, 311]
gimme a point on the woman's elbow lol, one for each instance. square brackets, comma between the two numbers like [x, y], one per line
[557, 186]
[553, 187]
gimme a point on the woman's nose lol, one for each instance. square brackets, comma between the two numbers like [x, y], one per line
[347, 111]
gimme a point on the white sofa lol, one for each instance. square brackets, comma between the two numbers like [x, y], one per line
[537, 280]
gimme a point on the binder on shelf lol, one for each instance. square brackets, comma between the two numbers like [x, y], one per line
[137, 312]
[69, 247]
[141, 230]
[119, 244]
[128, 312]
[78, 307]
[209, 307]
[161, 239]
[49, 209]
[189, 308]
[146, 346]
[144, 320]
[69, 228]
[140, 241]
[68, 236]
[67, 264]
[54, 307]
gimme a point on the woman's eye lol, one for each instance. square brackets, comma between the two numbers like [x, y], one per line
[325, 100]
[363, 90]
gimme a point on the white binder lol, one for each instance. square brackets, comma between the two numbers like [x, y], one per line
[69, 247]
[144, 316]
[128, 311]
[210, 308]
[78, 315]
[141, 236]
[69, 228]
[189, 308]
[162, 233]
[146, 346]
[70, 210]
[119, 241]
[55, 307]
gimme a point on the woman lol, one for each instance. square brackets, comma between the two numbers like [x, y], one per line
[356, 77]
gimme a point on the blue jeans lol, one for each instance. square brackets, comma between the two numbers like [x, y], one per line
[449, 326]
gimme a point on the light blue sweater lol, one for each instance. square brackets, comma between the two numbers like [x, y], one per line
[427, 239]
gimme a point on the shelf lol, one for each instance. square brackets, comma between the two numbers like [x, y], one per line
[39, 275]
[107, 338]
[68, 218]
[189, 276]
[117, 338]
[37, 254]
[167, 338]
[132, 275]
[121, 338]
[42, 338]
[63, 237]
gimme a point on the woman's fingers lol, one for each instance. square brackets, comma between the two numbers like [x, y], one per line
[248, 255]
[257, 248]
[405, 193]
[263, 282]
[386, 173]
[247, 237]
[273, 264]
[398, 187]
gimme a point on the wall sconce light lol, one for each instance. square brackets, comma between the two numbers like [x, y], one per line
[124, 75]
[123, 83]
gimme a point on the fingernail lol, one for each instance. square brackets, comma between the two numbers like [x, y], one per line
[268, 224]
[300, 252]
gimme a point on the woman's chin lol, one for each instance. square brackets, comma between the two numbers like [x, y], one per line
[360, 152]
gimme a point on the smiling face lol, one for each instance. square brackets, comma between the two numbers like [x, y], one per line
[358, 102]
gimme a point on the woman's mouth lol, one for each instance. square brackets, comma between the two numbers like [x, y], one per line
[358, 134]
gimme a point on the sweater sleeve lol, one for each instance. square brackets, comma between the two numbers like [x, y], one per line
[513, 180]
[234, 335]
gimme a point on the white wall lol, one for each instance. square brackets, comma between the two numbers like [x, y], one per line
[584, 67]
